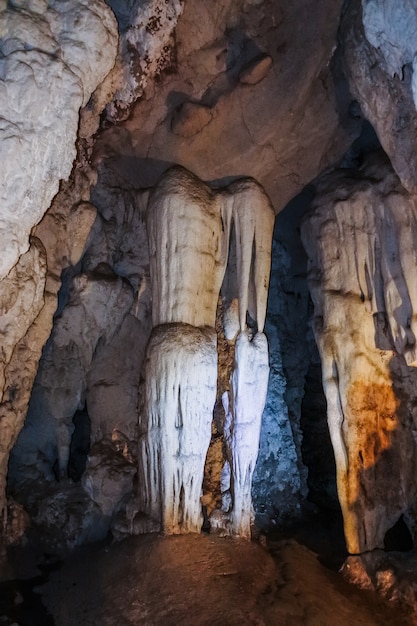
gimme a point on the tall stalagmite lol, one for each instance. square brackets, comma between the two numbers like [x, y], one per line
[361, 242]
[189, 229]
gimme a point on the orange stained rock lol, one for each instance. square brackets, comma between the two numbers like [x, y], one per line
[373, 416]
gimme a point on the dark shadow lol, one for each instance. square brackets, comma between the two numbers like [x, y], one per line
[398, 538]
[176, 98]
[316, 447]
[21, 604]
[131, 172]
[383, 338]
[80, 445]
[241, 51]
[142, 173]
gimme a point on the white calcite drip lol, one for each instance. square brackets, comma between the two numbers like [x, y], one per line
[243, 406]
[187, 250]
[178, 397]
[190, 227]
[247, 210]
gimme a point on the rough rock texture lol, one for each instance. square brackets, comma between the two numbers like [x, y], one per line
[20, 369]
[25, 305]
[49, 69]
[280, 479]
[74, 373]
[249, 92]
[98, 307]
[391, 575]
[146, 48]
[96, 368]
[207, 580]
[379, 38]
[360, 240]
[174, 580]
[52, 59]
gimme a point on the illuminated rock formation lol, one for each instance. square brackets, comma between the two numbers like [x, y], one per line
[243, 407]
[178, 399]
[52, 59]
[146, 48]
[189, 228]
[361, 242]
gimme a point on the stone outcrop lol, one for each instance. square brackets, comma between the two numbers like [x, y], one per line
[379, 39]
[78, 396]
[146, 48]
[360, 240]
[52, 59]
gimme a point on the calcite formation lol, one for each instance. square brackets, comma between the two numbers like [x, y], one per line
[190, 227]
[244, 405]
[52, 59]
[99, 307]
[361, 242]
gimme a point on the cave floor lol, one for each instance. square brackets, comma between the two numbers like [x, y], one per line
[195, 580]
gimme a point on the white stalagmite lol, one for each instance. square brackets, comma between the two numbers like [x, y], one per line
[249, 212]
[243, 407]
[190, 227]
[175, 426]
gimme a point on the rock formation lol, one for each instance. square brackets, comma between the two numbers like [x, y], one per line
[190, 228]
[114, 262]
[52, 59]
[380, 59]
[360, 239]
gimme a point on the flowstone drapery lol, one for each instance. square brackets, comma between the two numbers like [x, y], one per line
[190, 230]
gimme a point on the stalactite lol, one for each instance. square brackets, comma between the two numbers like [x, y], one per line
[187, 250]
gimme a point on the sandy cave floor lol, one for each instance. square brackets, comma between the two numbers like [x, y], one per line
[204, 579]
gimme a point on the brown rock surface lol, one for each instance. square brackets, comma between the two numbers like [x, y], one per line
[283, 130]
[207, 580]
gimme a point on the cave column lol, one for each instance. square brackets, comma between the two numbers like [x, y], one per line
[361, 249]
[189, 231]
[251, 216]
[178, 389]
